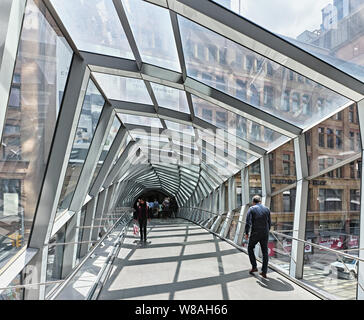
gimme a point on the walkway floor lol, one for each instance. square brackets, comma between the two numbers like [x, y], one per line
[185, 262]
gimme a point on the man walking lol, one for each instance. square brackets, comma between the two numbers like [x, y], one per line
[142, 215]
[258, 218]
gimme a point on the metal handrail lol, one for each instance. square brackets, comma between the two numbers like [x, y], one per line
[294, 238]
[65, 281]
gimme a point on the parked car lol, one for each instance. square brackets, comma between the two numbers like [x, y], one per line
[345, 268]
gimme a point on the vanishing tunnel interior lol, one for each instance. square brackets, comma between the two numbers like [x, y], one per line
[202, 101]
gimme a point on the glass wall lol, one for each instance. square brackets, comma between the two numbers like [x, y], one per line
[91, 110]
[235, 70]
[332, 30]
[39, 79]
[109, 140]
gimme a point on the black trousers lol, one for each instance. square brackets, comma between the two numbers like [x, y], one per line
[262, 238]
[143, 229]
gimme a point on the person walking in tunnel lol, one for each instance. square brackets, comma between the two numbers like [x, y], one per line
[141, 214]
[258, 219]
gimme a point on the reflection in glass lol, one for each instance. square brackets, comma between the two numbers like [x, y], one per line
[329, 29]
[333, 219]
[152, 30]
[140, 120]
[124, 89]
[170, 98]
[94, 26]
[109, 140]
[253, 78]
[90, 114]
[40, 75]
[236, 125]
[332, 141]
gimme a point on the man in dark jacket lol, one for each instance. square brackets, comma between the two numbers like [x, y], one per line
[258, 219]
[142, 215]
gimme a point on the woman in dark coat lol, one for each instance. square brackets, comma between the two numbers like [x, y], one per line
[142, 215]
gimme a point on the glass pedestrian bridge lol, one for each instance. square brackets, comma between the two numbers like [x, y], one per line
[205, 102]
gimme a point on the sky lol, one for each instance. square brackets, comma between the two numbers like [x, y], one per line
[285, 17]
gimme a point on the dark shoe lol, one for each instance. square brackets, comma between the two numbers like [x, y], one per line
[253, 270]
[264, 275]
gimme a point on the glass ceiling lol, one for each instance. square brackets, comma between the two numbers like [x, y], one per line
[224, 141]
[94, 26]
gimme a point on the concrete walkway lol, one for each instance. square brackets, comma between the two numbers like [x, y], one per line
[185, 262]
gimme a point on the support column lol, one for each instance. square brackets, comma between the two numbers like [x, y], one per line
[55, 173]
[245, 206]
[231, 206]
[300, 213]
[221, 208]
[86, 235]
[360, 286]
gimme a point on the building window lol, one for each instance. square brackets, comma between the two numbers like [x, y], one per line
[352, 170]
[220, 83]
[201, 51]
[339, 141]
[330, 138]
[249, 63]
[339, 172]
[321, 164]
[268, 96]
[358, 142]
[337, 116]
[254, 98]
[207, 115]
[222, 55]
[330, 199]
[255, 133]
[271, 163]
[255, 168]
[295, 101]
[308, 138]
[351, 141]
[354, 199]
[320, 105]
[351, 114]
[285, 102]
[269, 69]
[321, 132]
[238, 59]
[212, 53]
[306, 105]
[289, 198]
[241, 90]
[14, 98]
[286, 164]
[221, 120]
[291, 75]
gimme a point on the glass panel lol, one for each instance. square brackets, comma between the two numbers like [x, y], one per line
[122, 88]
[333, 140]
[234, 224]
[282, 166]
[90, 113]
[55, 257]
[152, 30]
[94, 26]
[183, 128]
[330, 30]
[109, 140]
[14, 293]
[140, 120]
[253, 78]
[333, 221]
[282, 208]
[40, 74]
[255, 183]
[170, 98]
[236, 125]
